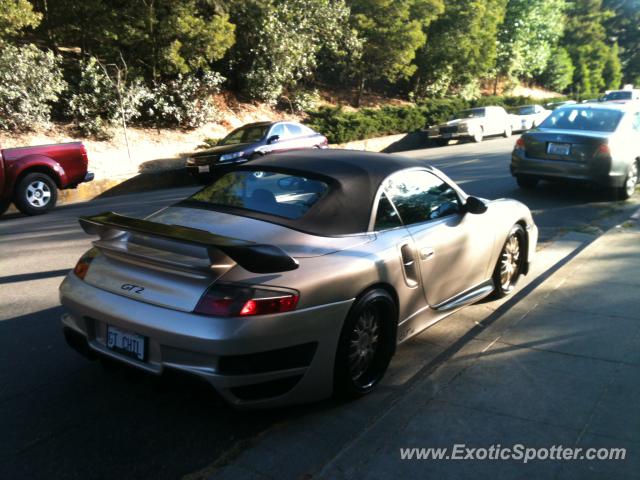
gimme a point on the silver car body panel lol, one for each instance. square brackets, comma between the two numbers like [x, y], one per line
[453, 259]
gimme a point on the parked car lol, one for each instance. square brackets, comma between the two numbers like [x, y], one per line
[530, 116]
[31, 176]
[287, 288]
[475, 123]
[252, 141]
[594, 143]
[622, 95]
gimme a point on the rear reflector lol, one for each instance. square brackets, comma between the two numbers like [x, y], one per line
[82, 267]
[239, 301]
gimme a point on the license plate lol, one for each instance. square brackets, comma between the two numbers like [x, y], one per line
[559, 148]
[203, 168]
[127, 343]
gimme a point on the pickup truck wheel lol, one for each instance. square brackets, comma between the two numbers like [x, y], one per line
[36, 194]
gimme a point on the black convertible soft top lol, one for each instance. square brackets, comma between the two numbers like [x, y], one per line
[353, 177]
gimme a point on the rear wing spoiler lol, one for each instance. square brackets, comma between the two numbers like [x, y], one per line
[254, 257]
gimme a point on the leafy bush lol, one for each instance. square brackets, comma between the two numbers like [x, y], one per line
[30, 81]
[99, 102]
[184, 102]
[304, 100]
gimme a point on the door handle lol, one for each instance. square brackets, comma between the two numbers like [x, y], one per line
[426, 253]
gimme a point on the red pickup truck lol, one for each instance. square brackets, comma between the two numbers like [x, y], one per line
[31, 176]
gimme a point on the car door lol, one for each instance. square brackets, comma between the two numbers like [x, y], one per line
[279, 129]
[451, 258]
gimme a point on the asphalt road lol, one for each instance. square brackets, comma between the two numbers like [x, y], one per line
[64, 417]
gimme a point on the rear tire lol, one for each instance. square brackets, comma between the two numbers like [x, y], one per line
[627, 190]
[527, 182]
[366, 345]
[36, 194]
[510, 262]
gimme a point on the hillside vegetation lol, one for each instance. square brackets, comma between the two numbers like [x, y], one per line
[103, 65]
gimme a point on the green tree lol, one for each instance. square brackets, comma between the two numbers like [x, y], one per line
[16, 15]
[612, 72]
[623, 26]
[530, 31]
[281, 42]
[461, 47]
[392, 32]
[585, 39]
[558, 74]
[157, 38]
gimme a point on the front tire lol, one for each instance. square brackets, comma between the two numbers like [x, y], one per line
[627, 190]
[509, 266]
[36, 194]
[366, 345]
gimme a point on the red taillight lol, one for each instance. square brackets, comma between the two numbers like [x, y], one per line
[520, 143]
[604, 149]
[82, 267]
[83, 152]
[235, 301]
[264, 306]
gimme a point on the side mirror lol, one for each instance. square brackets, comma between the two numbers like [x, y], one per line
[273, 139]
[475, 206]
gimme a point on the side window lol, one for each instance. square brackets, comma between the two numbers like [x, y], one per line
[420, 196]
[279, 130]
[294, 130]
[386, 215]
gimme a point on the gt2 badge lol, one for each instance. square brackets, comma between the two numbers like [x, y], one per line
[132, 288]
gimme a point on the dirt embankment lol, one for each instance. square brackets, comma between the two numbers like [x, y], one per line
[149, 149]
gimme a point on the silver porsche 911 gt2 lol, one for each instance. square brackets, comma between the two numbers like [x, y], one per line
[293, 277]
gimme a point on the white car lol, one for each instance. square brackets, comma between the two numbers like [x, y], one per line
[475, 123]
[530, 116]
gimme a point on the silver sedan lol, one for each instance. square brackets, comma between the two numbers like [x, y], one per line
[294, 277]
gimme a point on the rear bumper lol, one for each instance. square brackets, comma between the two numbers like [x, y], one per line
[521, 165]
[257, 362]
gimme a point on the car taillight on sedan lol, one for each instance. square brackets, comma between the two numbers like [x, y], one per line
[82, 267]
[240, 301]
[520, 144]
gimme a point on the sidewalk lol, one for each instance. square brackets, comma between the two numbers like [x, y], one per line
[560, 367]
[563, 369]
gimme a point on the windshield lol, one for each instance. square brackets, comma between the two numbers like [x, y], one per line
[277, 194]
[246, 134]
[598, 120]
[527, 110]
[472, 113]
[626, 95]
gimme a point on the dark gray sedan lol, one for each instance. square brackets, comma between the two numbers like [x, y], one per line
[594, 144]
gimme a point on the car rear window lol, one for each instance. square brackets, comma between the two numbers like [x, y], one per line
[278, 194]
[625, 95]
[593, 119]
